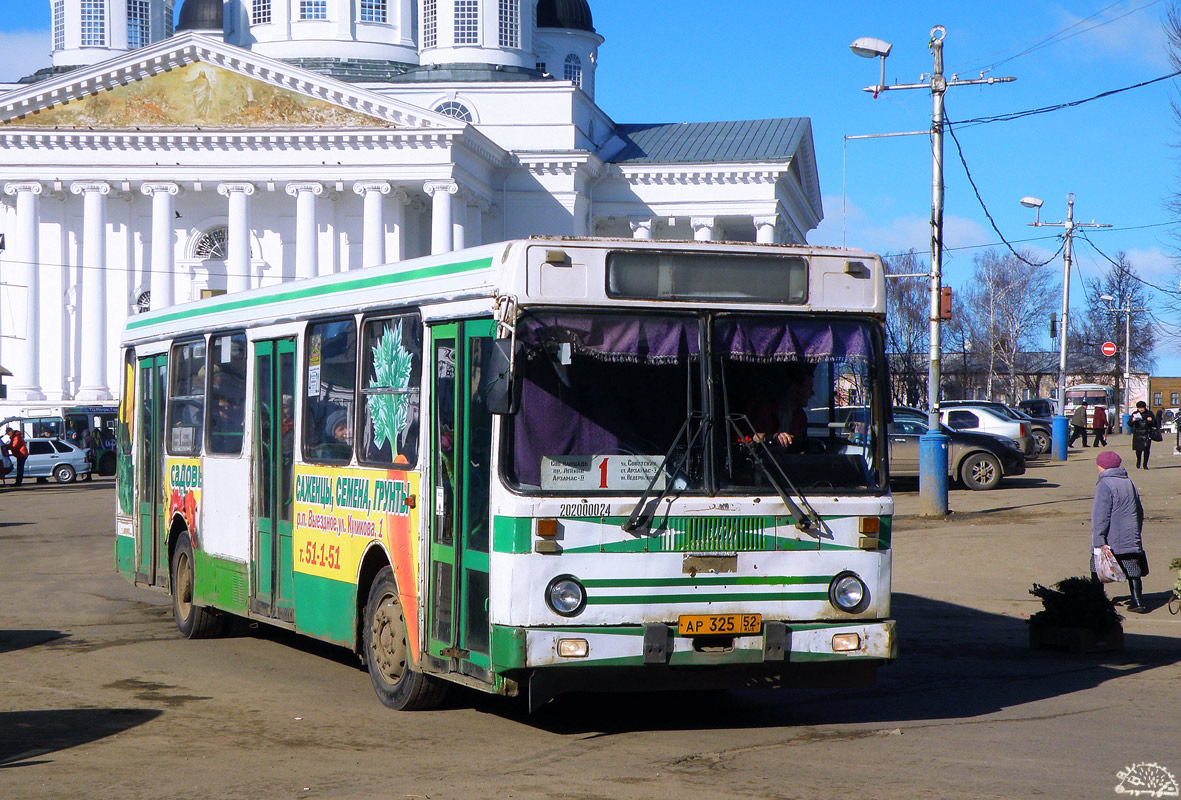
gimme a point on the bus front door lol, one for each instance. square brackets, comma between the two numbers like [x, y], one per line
[461, 448]
[151, 565]
[274, 465]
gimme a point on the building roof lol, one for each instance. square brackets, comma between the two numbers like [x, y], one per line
[712, 142]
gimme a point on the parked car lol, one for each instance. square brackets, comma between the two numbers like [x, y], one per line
[1038, 407]
[977, 460]
[53, 458]
[1040, 429]
[982, 419]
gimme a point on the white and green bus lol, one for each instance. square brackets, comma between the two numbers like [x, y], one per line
[528, 468]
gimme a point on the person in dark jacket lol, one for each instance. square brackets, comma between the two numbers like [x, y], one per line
[1078, 423]
[1099, 425]
[1143, 424]
[1117, 520]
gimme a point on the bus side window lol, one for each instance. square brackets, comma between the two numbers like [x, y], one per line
[186, 398]
[331, 381]
[390, 376]
[227, 393]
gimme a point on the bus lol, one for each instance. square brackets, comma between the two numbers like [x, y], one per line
[1095, 394]
[70, 421]
[526, 468]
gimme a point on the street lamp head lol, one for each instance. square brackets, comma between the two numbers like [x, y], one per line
[1106, 297]
[868, 47]
[1031, 202]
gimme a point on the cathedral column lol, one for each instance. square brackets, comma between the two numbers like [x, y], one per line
[642, 228]
[475, 221]
[26, 254]
[398, 223]
[765, 229]
[238, 235]
[94, 289]
[459, 220]
[373, 244]
[163, 264]
[442, 230]
[307, 240]
[703, 228]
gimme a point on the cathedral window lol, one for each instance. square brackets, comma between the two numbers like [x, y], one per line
[260, 12]
[373, 10]
[212, 244]
[139, 24]
[143, 302]
[574, 69]
[313, 9]
[94, 23]
[59, 24]
[430, 23]
[451, 108]
[510, 23]
[467, 21]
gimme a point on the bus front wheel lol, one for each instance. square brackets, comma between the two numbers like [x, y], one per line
[193, 621]
[387, 652]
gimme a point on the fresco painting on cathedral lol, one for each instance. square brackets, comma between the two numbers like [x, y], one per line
[197, 94]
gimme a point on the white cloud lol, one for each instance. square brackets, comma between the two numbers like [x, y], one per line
[23, 53]
[894, 235]
[1138, 36]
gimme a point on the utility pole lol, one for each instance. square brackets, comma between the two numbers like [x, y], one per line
[1127, 312]
[932, 445]
[1060, 429]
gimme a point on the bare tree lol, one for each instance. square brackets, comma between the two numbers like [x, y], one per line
[1098, 324]
[1007, 305]
[907, 329]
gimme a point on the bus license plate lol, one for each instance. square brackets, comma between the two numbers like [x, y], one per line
[719, 624]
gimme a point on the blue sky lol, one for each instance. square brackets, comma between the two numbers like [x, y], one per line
[695, 60]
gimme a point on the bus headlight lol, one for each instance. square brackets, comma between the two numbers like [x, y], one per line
[848, 593]
[565, 596]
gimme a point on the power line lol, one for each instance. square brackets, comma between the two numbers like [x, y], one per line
[1012, 115]
[984, 207]
[1130, 274]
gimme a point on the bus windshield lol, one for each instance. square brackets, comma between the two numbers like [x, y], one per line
[614, 404]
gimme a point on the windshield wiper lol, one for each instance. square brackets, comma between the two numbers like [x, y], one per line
[807, 519]
[645, 509]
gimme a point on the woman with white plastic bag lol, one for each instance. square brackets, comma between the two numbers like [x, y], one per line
[1117, 519]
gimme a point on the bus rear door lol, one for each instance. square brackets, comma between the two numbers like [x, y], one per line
[151, 561]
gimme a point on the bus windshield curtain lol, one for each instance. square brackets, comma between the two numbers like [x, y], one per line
[613, 338]
[777, 340]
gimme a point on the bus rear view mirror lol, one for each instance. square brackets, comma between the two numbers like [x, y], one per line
[504, 390]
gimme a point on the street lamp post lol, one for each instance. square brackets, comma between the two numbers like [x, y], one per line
[1127, 312]
[1059, 429]
[932, 445]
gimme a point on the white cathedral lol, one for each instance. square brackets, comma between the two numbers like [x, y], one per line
[265, 141]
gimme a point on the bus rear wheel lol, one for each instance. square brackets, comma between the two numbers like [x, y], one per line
[193, 621]
[387, 652]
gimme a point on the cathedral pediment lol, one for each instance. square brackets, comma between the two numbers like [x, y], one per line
[192, 81]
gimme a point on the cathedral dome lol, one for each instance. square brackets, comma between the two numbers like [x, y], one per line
[569, 14]
[200, 15]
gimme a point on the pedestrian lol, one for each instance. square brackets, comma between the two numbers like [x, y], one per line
[1143, 423]
[1117, 520]
[20, 452]
[1099, 425]
[5, 459]
[1078, 423]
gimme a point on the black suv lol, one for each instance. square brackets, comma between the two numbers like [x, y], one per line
[1037, 407]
